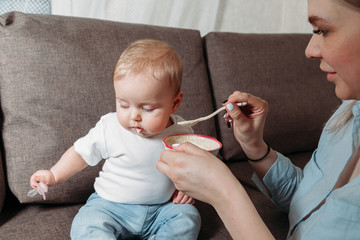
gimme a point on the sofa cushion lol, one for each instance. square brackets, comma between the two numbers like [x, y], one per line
[2, 185]
[56, 82]
[257, 64]
[40, 221]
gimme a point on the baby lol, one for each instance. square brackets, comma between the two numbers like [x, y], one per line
[132, 198]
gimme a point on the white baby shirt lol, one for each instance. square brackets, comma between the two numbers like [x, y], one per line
[129, 174]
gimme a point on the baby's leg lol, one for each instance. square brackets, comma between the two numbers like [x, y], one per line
[97, 220]
[177, 221]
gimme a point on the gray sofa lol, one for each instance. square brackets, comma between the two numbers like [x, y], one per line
[55, 83]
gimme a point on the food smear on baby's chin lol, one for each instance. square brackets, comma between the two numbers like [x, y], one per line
[137, 130]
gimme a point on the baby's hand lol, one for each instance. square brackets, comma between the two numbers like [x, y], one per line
[180, 197]
[44, 176]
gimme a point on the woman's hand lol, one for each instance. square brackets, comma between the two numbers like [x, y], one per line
[196, 172]
[248, 122]
[202, 176]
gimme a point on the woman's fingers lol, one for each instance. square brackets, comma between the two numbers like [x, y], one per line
[255, 106]
[189, 148]
[248, 121]
[174, 158]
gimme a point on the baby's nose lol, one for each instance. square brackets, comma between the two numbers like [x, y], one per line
[136, 115]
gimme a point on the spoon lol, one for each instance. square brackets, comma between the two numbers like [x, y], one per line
[190, 123]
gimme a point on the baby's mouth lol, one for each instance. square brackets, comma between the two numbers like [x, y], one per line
[137, 129]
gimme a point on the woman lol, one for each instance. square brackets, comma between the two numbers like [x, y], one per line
[323, 200]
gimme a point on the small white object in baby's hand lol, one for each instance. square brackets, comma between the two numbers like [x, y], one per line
[41, 188]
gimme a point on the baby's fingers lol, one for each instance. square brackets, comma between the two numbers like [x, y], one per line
[190, 200]
[44, 176]
[35, 179]
[177, 197]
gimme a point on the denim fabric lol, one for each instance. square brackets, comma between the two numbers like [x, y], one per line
[103, 219]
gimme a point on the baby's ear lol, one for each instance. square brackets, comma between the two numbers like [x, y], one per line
[177, 101]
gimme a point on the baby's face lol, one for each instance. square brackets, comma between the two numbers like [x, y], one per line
[144, 104]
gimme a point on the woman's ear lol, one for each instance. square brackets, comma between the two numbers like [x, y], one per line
[177, 100]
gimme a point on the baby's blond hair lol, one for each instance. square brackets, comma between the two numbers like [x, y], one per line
[152, 57]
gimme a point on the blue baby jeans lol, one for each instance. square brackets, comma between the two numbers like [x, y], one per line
[103, 219]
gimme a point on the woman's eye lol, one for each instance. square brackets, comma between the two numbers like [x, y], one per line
[319, 32]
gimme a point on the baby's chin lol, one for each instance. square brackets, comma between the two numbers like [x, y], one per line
[142, 132]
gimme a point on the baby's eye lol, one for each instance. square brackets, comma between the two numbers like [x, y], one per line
[319, 32]
[123, 106]
[147, 109]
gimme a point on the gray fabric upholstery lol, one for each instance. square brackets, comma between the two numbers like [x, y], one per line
[56, 83]
[2, 185]
[273, 67]
[43, 222]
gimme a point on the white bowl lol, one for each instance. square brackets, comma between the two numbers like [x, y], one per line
[205, 142]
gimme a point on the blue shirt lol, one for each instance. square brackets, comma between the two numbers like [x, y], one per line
[300, 191]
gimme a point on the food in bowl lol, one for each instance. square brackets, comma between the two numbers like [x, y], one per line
[202, 141]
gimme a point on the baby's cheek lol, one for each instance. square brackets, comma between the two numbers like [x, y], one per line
[123, 121]
[156, 124]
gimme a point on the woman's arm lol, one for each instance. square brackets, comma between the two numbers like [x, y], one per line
[248, 123]
[239, 214]
[202, 176]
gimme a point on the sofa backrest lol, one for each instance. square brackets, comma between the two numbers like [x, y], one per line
[274, 68]
[55, 83]
[2, 185]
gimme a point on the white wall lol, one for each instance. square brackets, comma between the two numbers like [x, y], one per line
[246, 16]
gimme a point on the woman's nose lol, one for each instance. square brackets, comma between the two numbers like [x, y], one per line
[313, 48]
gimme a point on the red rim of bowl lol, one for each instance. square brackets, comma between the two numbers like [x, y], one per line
[197, 135]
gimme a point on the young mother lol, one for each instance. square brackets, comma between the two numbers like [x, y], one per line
[324, 198]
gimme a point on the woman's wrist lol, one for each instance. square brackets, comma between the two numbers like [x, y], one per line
[223, 184]
[233, 206]
[256, 152]
[228, 186]
[262, 157]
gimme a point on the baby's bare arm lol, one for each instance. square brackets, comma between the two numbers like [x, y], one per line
[69, 164]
